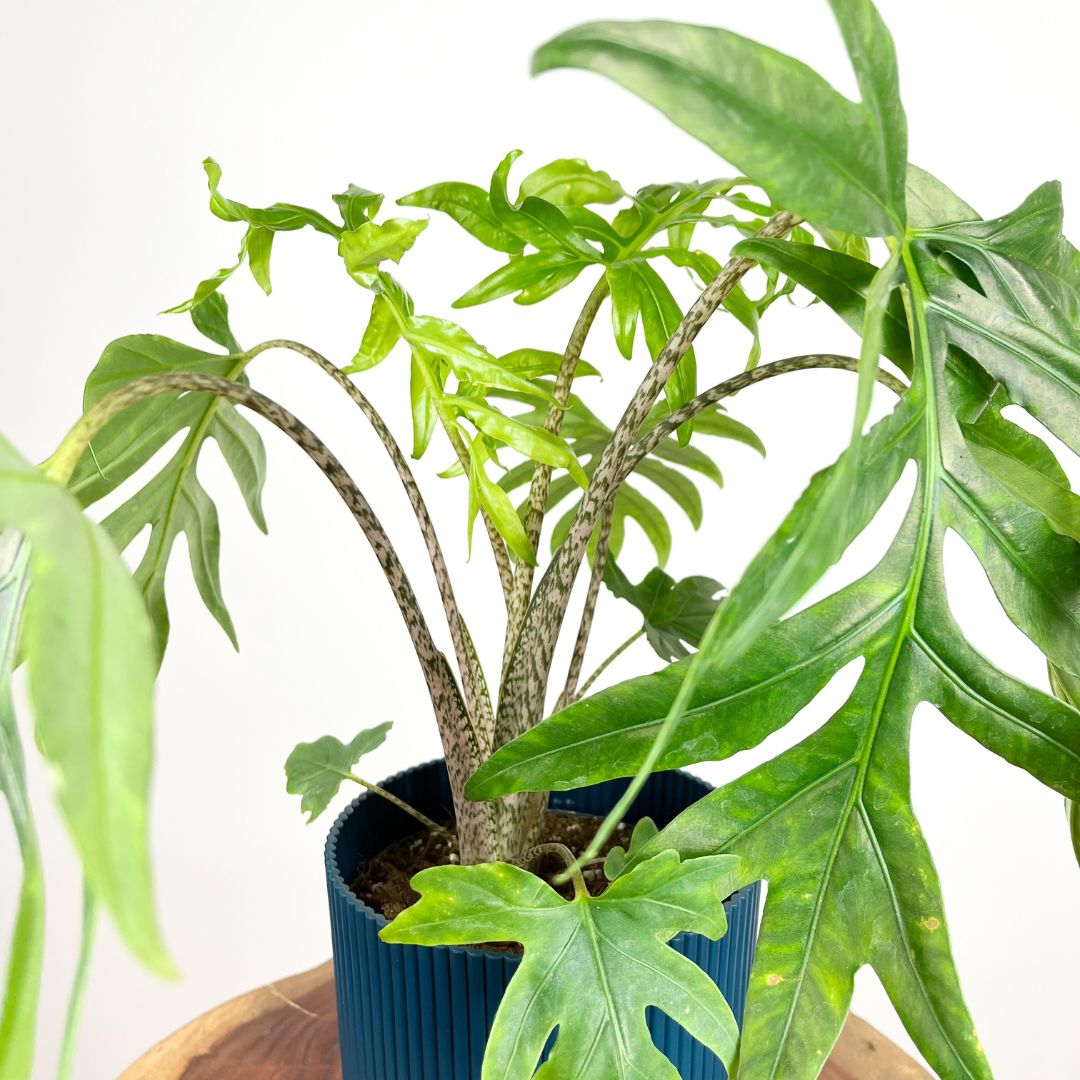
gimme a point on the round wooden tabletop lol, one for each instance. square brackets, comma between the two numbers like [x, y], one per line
[288, 1031]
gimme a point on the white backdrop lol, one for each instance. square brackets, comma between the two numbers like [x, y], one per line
[108, 109]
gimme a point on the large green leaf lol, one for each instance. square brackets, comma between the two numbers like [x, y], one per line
[829, 823]
[173, 501]
[18, 1020]
[592, 965]
[89, 649]
[769, 115]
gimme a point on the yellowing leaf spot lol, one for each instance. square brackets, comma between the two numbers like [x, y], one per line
[930, 923]
[773, 980]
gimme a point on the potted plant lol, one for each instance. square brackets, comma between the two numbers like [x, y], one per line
[960, 317]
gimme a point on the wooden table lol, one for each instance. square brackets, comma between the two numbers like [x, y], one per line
[288, 1031]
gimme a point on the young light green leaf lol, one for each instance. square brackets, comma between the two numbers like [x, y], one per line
[536, 363]
[174, 501]
[365, 247]
[90, 652]
[211, 319]
[533, 277]
[676, 613]
[534, 442]
[571, 182]
[535, 220]
[616, 860]
[255, 247]
[467, 358]
[485, 494]
[382, 333]
[608, 951]
[357, 205]
[769, 115]
[18, 1018]
[315, 770]
[470, 207]
[425, 387]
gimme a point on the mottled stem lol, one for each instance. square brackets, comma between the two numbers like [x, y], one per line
[596, 578]
[541, 478]
[521, 695]
[455, 725]
[652, 439]
[474, 685]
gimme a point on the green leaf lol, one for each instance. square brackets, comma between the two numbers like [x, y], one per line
[829, 822]
[534, 220]
[470, 207]
[90, 653]
[18, 1019]
[536, 363]
[533, 277]
[424, 384]
[675, 612]
[365, 247]
[842, 282]
[660, 317]
[571, 182]
[607, 951]
[211, 319]
[257, 241]
[174, 500]
[466, 357]
[534, 442]
[382, 333]
[615, 862]
[315, 770]
[769, 115]
[486, 494]
[357, 205]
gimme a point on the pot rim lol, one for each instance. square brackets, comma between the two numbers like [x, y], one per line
[380, 920]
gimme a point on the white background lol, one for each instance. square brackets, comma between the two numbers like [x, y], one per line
[108, 109]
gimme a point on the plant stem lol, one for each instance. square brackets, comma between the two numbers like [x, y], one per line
[521, 696]
[474, 685]
[390, 797]
[78, 987]
[596, 578]
[460, 743]
[648, 442]
[606, 664]
[541, 478]
[573, 870]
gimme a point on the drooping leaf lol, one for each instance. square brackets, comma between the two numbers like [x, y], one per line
[606, 952]
[485, 494]
[381, 334]
[174, 500]
[536, 363]
[315, 770]
[89, 649]
[533, 277]
[830, 822]
[769, 115]
[256, 244]
[571, 182]
[18, 1018]
[675, 612]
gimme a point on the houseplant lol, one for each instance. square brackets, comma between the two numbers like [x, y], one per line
[978, 315]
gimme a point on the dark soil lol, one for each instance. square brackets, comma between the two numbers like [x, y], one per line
[383, 881]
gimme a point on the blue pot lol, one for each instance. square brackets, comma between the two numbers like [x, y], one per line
[412, 1013]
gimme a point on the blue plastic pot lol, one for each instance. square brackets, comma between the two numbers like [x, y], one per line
[411, 1013]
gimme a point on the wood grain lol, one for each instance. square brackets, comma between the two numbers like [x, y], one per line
[287, 1030]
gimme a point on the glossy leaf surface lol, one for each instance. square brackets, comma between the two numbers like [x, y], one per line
[605, 952]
